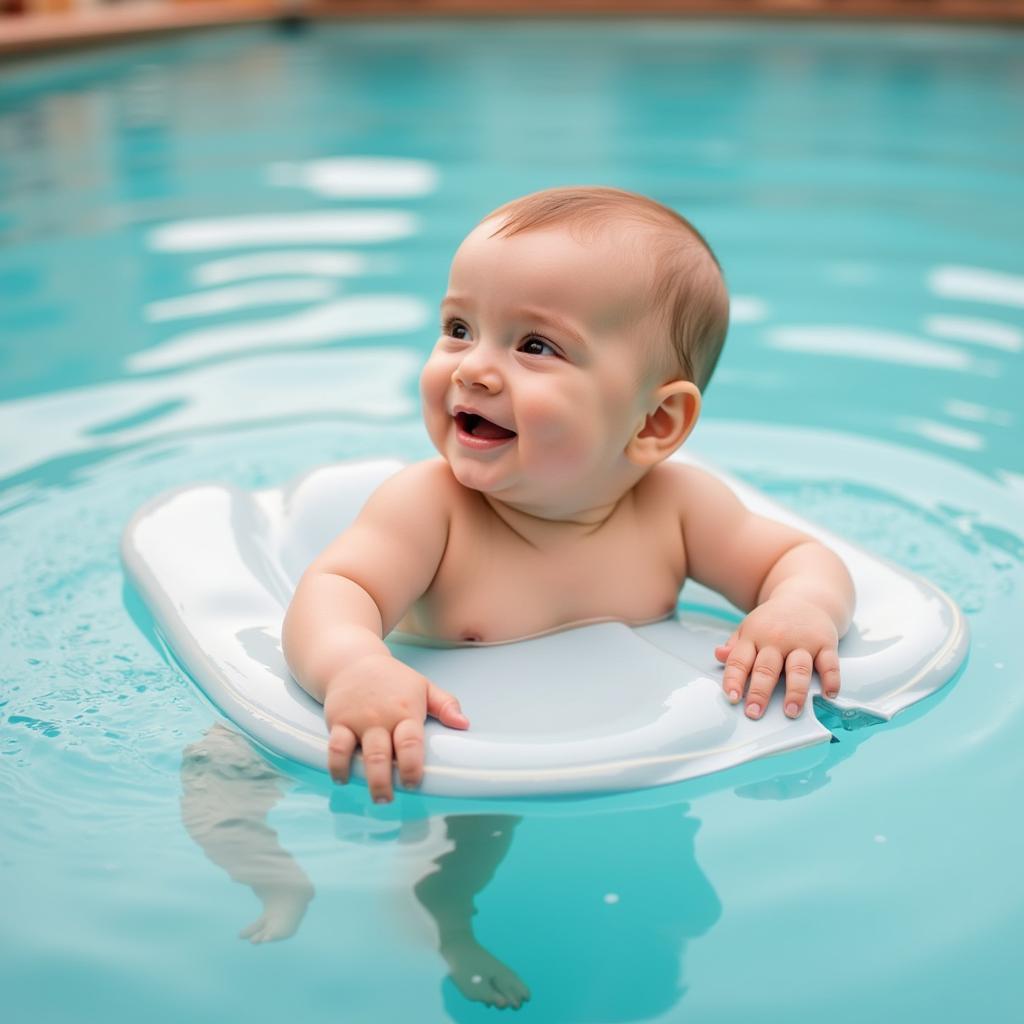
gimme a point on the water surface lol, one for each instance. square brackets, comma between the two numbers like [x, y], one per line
[220, 258]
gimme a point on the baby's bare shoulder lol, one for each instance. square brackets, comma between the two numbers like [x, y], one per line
[684, 487]
[430, 482]
[415, 502]
[407, 517]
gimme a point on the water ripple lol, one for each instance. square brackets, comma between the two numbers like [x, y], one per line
[976, 331]
[866, 343]
[326, 226]
[355, 317]
[374, 384]
[978, 284]
[229, 300]
[280, 262]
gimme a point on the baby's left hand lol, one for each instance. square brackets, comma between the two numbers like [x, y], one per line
[783, 633]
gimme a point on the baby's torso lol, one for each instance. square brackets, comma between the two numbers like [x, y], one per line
[493, 586]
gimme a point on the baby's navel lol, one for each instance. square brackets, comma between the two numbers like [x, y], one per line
[471, 638]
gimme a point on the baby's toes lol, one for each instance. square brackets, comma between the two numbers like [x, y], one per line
[251, 931]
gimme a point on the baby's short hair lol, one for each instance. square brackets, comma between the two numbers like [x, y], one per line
[687, 284]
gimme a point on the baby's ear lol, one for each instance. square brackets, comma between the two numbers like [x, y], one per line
[668, 426]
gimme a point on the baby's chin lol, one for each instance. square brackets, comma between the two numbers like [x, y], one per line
[477, 476]
[528, 497]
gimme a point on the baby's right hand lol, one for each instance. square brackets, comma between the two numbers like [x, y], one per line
[380, 704]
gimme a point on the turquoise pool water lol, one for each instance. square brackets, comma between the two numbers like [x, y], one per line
[220, 258]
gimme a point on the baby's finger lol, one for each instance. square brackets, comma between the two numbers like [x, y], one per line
[763, 677]
[408, 740]
[827, 664]
[340, 747]
[737, 668]
[798, 681]
[376, 744]
[722, 650]
[444, 706]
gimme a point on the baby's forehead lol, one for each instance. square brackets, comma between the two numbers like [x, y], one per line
[607, 267]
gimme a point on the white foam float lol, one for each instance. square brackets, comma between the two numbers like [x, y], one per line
[595, 708]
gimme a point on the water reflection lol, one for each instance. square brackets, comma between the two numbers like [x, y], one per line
[230, 300]
[358, 177]
[944, 434]
[978, 284]
[854, 342]
[747, 309]
[361, 316]
[283, 262]
[367, 384]
[974, 413]
[571, 921]
[976, 331]
[329, 226]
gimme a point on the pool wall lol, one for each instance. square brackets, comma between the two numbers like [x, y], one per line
[40, 31]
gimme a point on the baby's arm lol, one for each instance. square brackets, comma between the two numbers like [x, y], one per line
[352, 596]
[798, 593]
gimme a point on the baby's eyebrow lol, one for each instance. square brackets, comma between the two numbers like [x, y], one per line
[555, 321]
[452, 300]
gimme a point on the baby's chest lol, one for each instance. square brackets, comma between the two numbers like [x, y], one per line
[493, 586]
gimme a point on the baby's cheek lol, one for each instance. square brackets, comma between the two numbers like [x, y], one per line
[436, 378]
[433, 377]
[545, 414]
[556, 430]
[433, 389]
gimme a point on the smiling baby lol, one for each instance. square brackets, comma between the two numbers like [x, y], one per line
[579, 329]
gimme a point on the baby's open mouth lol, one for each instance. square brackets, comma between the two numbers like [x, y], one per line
[477, 426]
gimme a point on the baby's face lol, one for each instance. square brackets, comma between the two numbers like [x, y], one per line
[543, 370]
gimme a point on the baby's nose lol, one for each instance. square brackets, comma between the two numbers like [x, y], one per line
[477, 368]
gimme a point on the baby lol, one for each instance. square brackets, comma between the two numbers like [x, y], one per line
[578, 332]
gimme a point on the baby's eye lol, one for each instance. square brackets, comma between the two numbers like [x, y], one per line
[450, 327]
[537, 347]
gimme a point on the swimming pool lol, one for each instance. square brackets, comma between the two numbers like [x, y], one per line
[220, 259]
